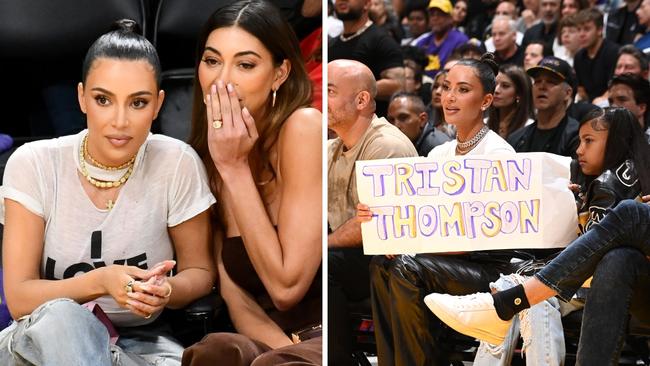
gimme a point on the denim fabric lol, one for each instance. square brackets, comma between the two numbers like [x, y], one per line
[149, 344]
[62, 332]
[59, 332]
[545, 343]
[628, 224]
[619, 287]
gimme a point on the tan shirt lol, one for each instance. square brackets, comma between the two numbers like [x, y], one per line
[381, 141]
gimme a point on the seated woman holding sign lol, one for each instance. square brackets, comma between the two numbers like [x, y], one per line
[406, 332]
[613, 153]
[98, 217]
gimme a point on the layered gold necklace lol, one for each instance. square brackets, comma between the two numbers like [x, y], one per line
[100, 183]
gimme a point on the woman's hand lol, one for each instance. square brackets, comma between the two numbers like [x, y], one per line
[149, 297]
[363, 213]
[121, 282]
[231, 141]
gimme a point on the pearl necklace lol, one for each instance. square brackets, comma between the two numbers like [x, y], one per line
[83, 152]
[463, 147]
[357, 33]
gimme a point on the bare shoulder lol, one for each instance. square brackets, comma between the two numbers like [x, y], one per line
[303, 123]
[300, 141]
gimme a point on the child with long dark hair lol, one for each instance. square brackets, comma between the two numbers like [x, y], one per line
[613, 156]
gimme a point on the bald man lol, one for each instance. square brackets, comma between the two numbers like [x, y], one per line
[351, 88]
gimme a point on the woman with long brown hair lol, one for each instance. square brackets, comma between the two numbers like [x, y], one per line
[513, 101]
[261, 145]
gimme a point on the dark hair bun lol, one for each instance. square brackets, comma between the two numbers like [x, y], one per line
[126, 25]
[488, 59]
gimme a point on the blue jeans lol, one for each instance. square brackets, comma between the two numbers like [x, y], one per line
[62, 332]
[628, 224]
[545, 345]
[619, 287]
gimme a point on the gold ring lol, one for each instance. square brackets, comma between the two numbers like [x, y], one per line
[216, 124]
[170, 291]
[148, 316]
[129, 286]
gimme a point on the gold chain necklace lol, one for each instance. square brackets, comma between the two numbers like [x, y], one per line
[100, 183]
[100, 165]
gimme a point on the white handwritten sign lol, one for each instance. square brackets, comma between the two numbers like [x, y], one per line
[478, 202]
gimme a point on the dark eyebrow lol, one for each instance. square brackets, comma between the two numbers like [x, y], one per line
[243, 53]
[136, 94]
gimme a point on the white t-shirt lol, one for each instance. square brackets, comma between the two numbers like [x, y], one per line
[167, 187]
[492, 143]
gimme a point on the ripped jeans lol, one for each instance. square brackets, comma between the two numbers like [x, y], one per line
[542, 332]
[62, 332]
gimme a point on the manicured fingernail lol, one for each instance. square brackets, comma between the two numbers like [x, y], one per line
[246, 112]
[231, 88]
[220, 83]
[213, 88]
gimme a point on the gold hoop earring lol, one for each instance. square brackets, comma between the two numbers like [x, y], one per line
[273, 101]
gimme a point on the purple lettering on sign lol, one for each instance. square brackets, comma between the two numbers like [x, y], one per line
[383, 213]
[453, 218]
[404, 221]
[519, 176]
[529, 215]
[477, 167]
[403, 173]
[471, 211]
[456, 184]
[377, 173]
[426, 170]
[509, 217]
[427, 220]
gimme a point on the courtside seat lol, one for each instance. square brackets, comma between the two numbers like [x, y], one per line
[42, 45]
[176, 29]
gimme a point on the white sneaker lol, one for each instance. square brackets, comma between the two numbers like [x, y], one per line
[473, 315]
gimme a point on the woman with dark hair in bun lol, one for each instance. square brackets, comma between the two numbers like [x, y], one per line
[96, 218]
[407, 333]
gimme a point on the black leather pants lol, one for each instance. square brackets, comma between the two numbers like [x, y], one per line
[406, 331]
[347, 282]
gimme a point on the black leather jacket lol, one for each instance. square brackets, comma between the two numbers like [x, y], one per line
[606, 191]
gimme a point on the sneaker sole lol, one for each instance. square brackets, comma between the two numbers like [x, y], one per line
[448, 319]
